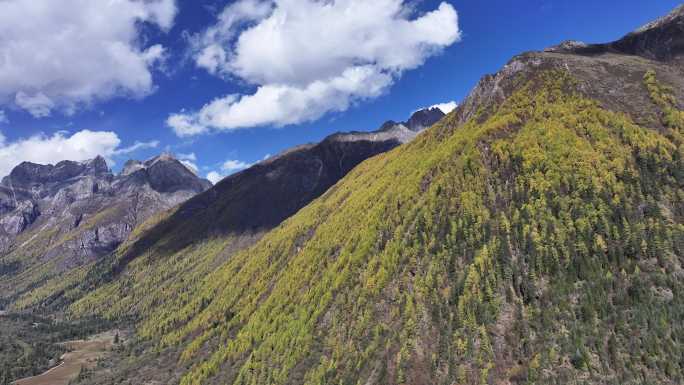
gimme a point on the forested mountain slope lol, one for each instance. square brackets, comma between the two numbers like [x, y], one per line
[171, 247]
[534, 235]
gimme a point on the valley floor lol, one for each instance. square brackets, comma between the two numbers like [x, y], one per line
[83, 355]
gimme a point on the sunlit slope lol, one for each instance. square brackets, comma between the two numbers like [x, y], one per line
[539, 241]
[171, 248]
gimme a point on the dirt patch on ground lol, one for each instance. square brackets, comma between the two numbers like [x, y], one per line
[82, 354]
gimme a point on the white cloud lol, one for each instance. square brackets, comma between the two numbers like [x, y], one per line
[69, 53]
[310, 57]
[137, 146]
[214, 177]
[45, 149]
[228, 167]
[3, 117]
[234, 165]
[211, 54]
[281, 105]
[50, 149]
[446, 107]
[37, 105]
[190, 156]
[185, 125]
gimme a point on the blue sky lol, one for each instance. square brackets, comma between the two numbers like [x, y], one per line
[491, 32]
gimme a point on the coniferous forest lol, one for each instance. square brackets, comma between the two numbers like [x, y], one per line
[533, 235]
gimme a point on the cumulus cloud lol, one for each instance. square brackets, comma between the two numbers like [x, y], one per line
[186, 124]
[69, 53]
[446, 107]
[306, 58]
[211, 54]
[50, 149]
[228, 167]
[281, 105]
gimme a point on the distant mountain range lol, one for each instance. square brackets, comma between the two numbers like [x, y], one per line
[74, 195]
[56, 218]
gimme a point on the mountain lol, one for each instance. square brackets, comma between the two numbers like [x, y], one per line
[419, 120]
[234, 214]
[533, 235]
[54, 218]
[262, 196]
[660, 40]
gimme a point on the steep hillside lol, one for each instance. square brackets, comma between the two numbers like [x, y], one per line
[54, 219]
[535, 235]
[169, 249]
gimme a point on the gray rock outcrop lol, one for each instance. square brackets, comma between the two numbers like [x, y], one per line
[74, 212]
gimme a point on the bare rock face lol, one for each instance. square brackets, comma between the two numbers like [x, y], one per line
[167, 175]
[424, 118]
[164, 174]
[25, 213]
[71, 213]
[29, 175]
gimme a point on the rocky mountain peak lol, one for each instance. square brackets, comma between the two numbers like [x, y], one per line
[418, 121]
[97, 165]
[132, 166]
[567, 46]
[28, 174]
[163, 157]
[165, 173]
[391, 131]
[424, 118]
[92, 209]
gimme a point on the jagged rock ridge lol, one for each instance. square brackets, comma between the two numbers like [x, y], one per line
[68, 214]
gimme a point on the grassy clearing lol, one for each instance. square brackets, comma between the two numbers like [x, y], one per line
[81, 357]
